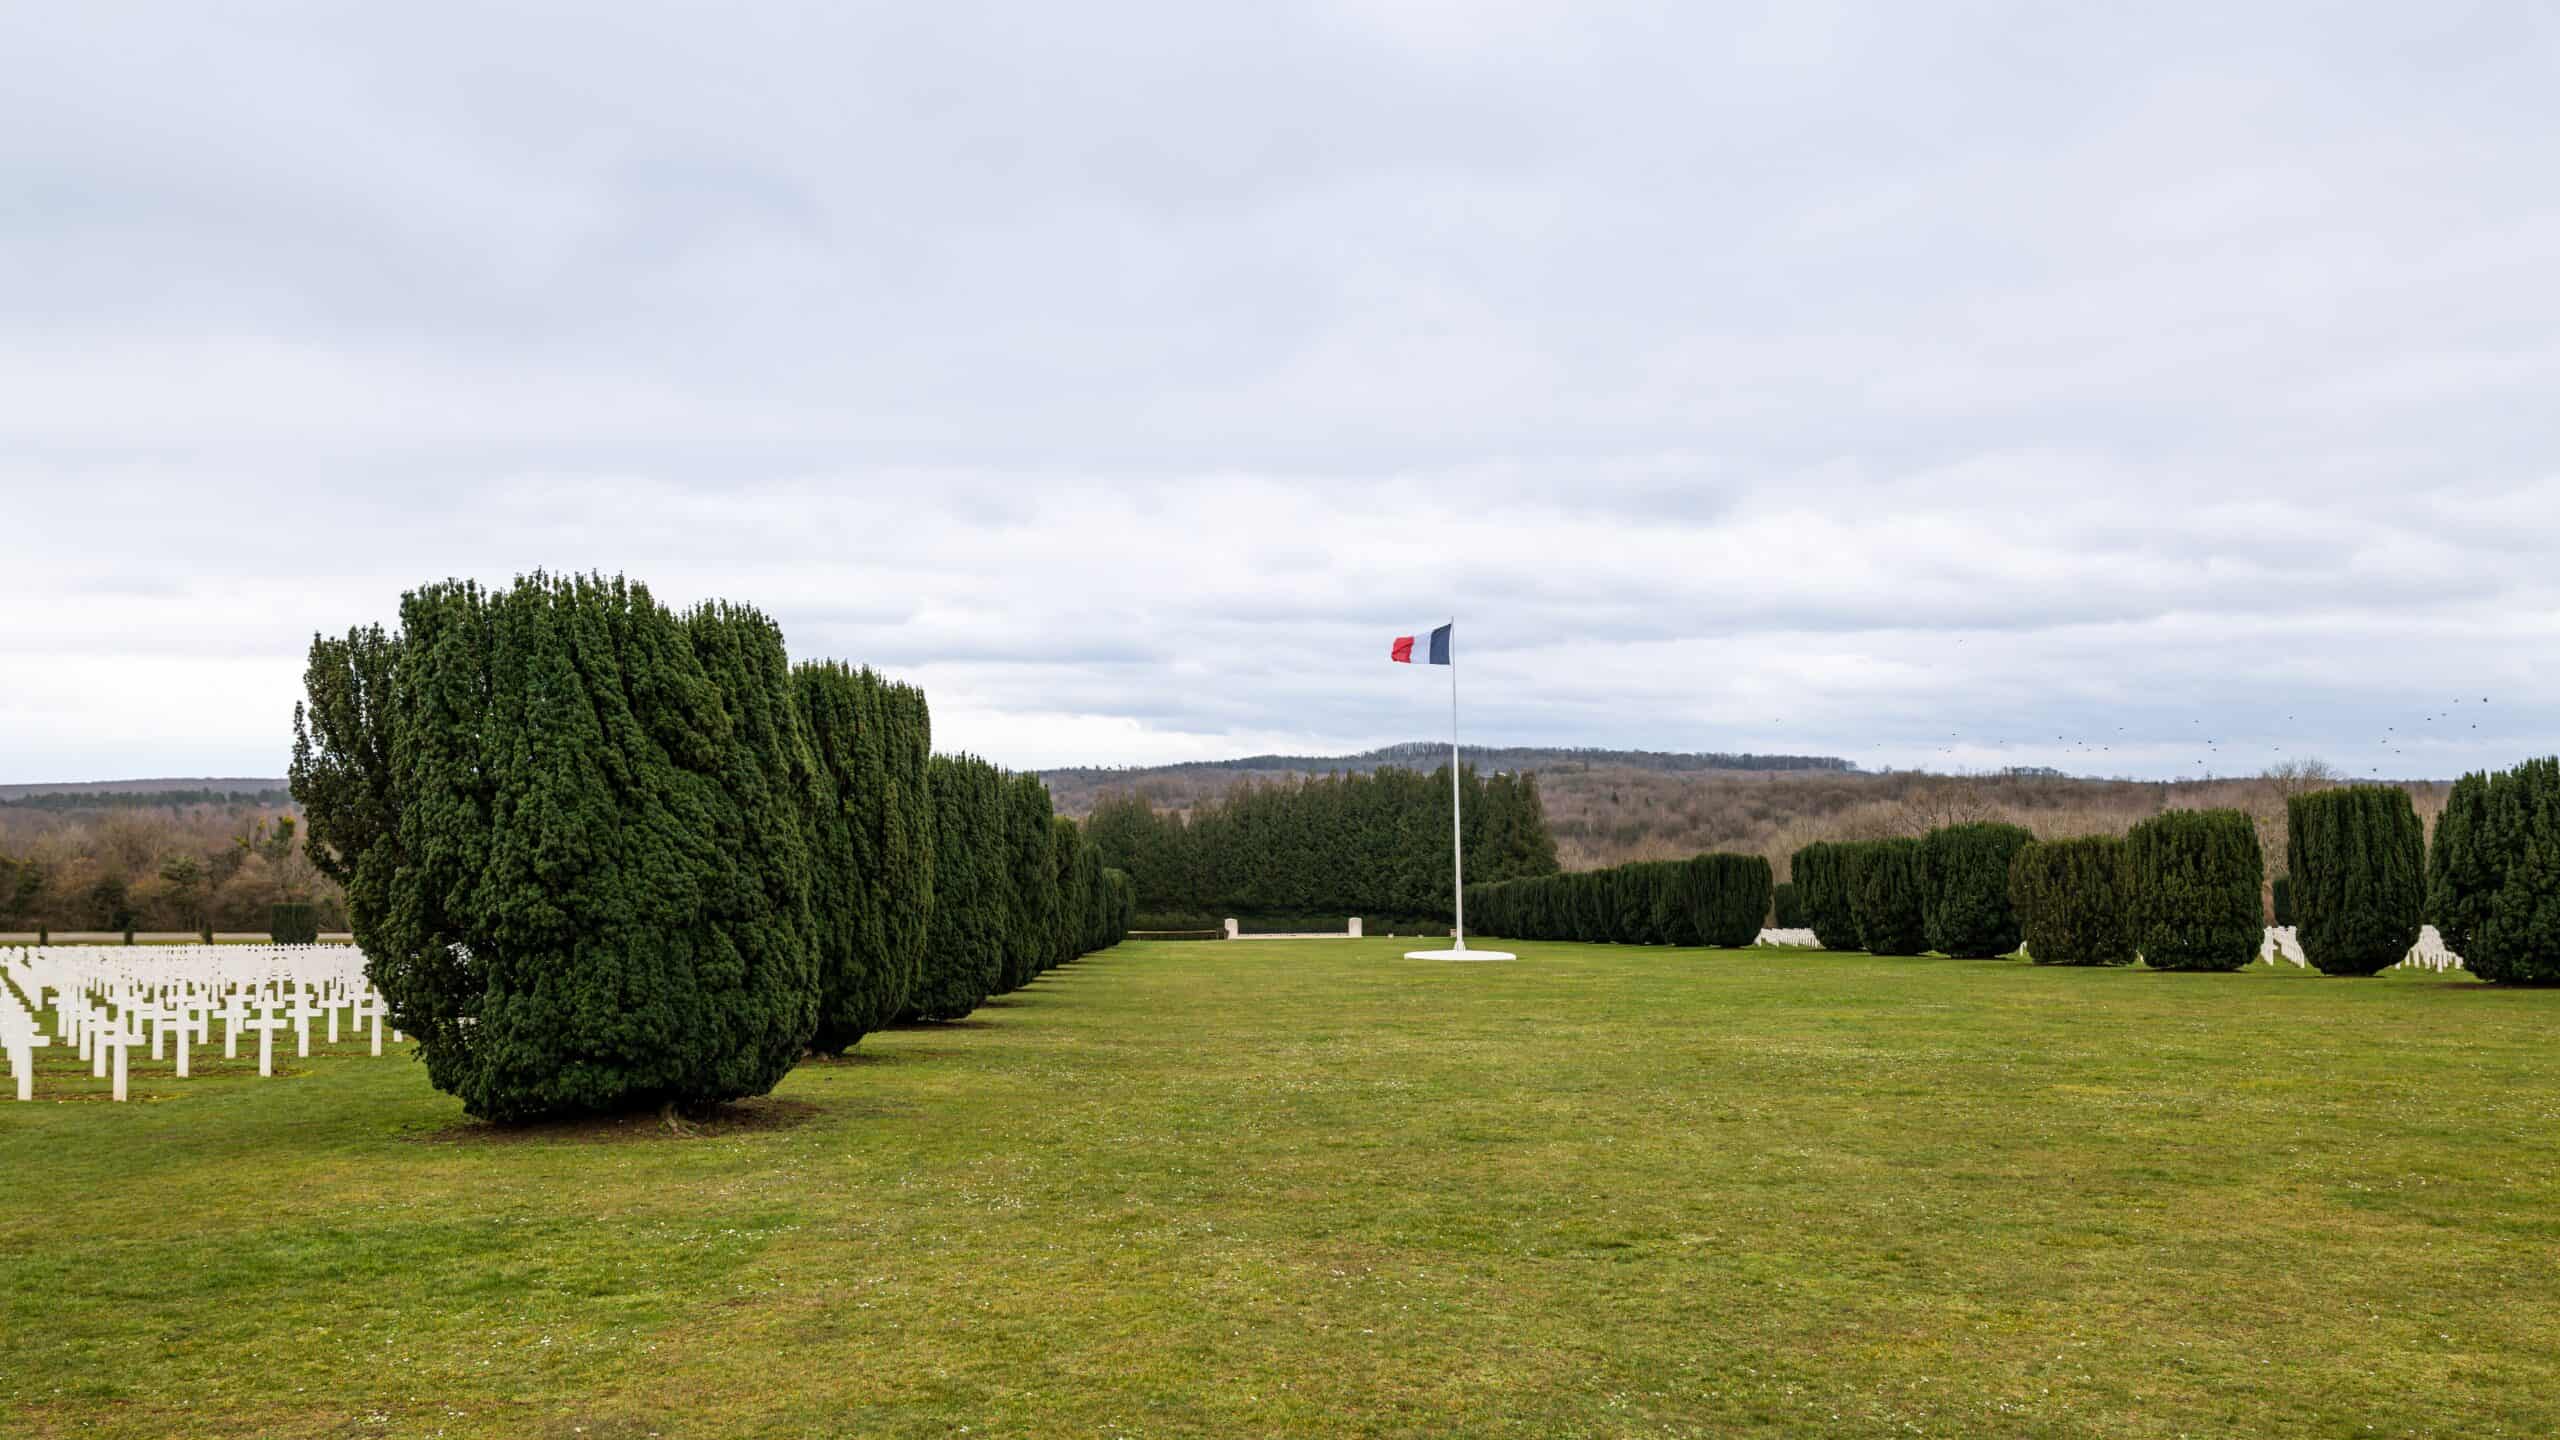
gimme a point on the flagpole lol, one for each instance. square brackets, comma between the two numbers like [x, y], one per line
[1457, 817]
[1457, 828]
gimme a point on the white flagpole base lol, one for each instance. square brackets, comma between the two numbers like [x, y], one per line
[1460, 953]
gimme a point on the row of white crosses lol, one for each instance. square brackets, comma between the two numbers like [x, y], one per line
[107, 1001]
[2284, 942]
[2430, 953]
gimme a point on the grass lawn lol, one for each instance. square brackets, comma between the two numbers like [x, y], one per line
[1313, 1188]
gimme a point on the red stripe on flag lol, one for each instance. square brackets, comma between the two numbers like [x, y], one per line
[1401, 652]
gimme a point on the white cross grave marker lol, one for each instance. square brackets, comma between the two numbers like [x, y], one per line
[369, 1008]
[305, 1010]
[119, 1036]
[267, 1024]
[20, 1038]
[190, 1022]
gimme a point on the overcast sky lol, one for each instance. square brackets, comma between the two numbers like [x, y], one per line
[1951, 385]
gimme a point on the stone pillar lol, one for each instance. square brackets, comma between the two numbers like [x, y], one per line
[1355, 927]
[1231, 927]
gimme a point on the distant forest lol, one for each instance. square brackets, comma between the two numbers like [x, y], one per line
[1311, 851]
[1077, 787]
[1424, 754]
[67, 800]
[105, 857]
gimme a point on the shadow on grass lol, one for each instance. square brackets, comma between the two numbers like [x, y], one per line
[755, 1115]
[859, 1057]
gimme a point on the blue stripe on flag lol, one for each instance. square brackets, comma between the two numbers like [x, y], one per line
[1440, 643]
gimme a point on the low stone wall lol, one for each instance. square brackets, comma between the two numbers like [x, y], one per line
[1235, 932]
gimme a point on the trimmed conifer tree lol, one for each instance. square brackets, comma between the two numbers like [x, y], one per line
[2280, 899]
[872, 829]
[1031, 938]
[1822, 888]
[2072, 901]
[292, 922]
[1094, 911]
[1965, 895]
[588, 888]
[2194, 876]
[341, 772]
[1626, 905]
[1675, 889]
[1886, 881]
[2463, 869]
[2359, 868]
[1727, 897]
[1124, 905]
[2516, 937]
[1786, 912]
[1066, 926]
[972, 901]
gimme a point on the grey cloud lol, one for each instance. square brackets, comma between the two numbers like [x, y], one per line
[1854, 378]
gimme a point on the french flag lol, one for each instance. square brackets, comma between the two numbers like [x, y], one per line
[1436, 652]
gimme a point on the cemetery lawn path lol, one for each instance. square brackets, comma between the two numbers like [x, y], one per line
[1312, 1188]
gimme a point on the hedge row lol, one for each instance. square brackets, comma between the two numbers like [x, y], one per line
[2182, 888]
[2493, 884]
[1947, 891]
[2180, 891]
[1374, 845]
[1715, 899]
[602, 855]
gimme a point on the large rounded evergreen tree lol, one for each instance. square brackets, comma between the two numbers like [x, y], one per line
[576, 827]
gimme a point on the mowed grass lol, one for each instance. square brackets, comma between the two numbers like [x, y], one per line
[1312, 1188]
